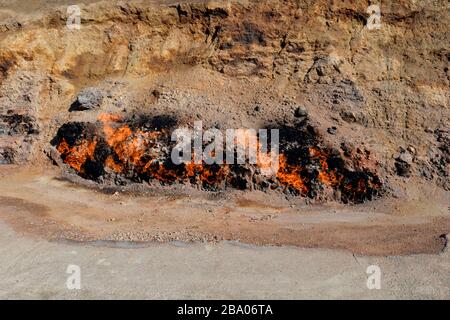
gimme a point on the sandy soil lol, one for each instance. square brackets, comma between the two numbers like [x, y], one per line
[39, 202]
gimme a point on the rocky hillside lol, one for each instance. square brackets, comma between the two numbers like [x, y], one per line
[378, 95]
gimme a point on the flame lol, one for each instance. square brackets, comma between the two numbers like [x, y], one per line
[130, 147]
[205, 174]
[267, 162]
[138, 154]
[138, 150]
[160, 173]
[326, 176]
[77, 155]
[111, 163]
[291, 175]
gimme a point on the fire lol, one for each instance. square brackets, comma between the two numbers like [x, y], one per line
[129, 146]
[291, 175]
[267, 162]
[326, 176]
[138, 152]
[77, 155]
[205, 174]
[160, 173]
[111, 163]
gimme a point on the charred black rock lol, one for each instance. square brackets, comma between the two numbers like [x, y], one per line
[15, 124]
[7, 156]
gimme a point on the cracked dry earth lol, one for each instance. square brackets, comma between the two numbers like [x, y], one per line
[363, 116]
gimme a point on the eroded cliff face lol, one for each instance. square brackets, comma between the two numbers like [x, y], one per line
[377, 96]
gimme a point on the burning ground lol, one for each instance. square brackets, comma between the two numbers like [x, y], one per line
[138, 149]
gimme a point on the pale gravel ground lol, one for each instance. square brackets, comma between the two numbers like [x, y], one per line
[35, 269]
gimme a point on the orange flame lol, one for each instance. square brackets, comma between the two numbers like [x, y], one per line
[290, 175]
[326, 176]
[134, 153]
[77, 155]
[129, 146]
[111, 163]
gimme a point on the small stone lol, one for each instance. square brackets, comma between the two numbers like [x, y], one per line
[403, 163]
[405, 157]
[88, 99]
[156, 93]
[403, 169]
[300, 112]
[348, 116]
[332, 130]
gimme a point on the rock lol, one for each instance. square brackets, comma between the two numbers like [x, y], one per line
[444, 239]
[18, 132]
[411, 149]
[348, 116]
[426, 172]
[403, 163]
[300, 112]
[18, 124]
[406, 157]
[156, 93]
[403, 169]
[88, 99]
[332, 130]
[324, 70]
[7, 156]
